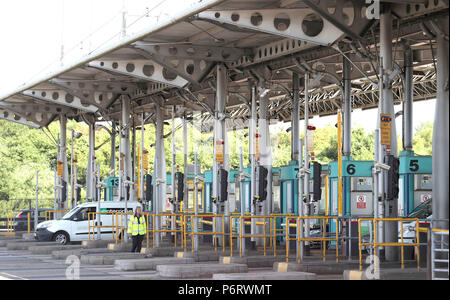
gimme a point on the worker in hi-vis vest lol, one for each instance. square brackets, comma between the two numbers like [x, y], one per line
[137, 228]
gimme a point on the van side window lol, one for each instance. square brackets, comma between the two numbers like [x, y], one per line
[83, 213]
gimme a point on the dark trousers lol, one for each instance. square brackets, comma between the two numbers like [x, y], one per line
[137, 243]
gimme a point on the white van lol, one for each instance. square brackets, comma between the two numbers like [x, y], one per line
[74, 227]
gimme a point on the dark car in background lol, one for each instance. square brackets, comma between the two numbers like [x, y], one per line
[20, 220]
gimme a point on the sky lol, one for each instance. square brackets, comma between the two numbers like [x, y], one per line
[32, 32]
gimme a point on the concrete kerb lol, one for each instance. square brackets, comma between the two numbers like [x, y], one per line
[149, 263]
[266, 276]
[3, 243]
[198, 270]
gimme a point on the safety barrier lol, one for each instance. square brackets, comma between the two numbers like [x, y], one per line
[267, 220]
[50, 214]
[152, 220]
[300, 234]
[190, 222]
[93, 216]
[401, 244]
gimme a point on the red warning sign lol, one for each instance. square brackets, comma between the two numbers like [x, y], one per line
[361, 201]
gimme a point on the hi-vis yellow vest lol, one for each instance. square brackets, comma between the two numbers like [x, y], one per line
[135, 228]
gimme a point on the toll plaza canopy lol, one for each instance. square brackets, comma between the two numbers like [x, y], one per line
[173, 63]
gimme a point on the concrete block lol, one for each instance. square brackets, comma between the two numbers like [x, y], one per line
[107, 258]
[200, 256]
[148, 263]
[387, 274]
[259, 261]
[199, 270]
[51, 248]
[266, 276]
[63, 254]
[125, 247]
[161, 251]
[3, 243]
[29, 236]
[319, 267]
[96, 243]
[24, 245]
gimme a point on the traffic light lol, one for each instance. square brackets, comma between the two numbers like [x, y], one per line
[317, 181]
[180, 186]
[262, 177]
[148, 188]
[392, 177]
[64, 191]
[310, 127]
[223, 185]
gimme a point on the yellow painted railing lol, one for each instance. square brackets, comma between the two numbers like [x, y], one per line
[400, 244]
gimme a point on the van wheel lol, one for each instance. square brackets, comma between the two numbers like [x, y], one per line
[61, 237]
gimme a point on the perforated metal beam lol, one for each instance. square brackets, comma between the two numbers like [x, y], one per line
[97, 86]
[301, 24]
[11, 116]
[207, 53]
[96, 98]
[142, 69]
[193, 70]
[60, 97]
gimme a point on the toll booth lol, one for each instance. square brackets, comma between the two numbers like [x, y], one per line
[357, 188]
[288, 188]
[111, 190]
[415, 182]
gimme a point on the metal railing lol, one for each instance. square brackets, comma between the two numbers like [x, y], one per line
[92, 216]
[400, 244]
[122, 225]
[191, 228]
[301, 238]
[242, 221]
[152, 220]
[439, 249]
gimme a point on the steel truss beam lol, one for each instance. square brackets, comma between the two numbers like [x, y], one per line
[6, 114]
[60, 97]
[142, 69]
[301, 24]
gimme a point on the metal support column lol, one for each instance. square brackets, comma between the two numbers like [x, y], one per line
[220, 134]
[90, 180]
[295, 120]
[159, 198]
[63, 157]
[441, 133]
[390, 228]
[251, 136]
[347, 148]
[408, 101]
[306, 160]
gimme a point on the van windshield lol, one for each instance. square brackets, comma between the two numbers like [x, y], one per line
[71, 213]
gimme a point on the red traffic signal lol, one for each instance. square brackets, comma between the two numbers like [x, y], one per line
[309, 127]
